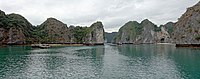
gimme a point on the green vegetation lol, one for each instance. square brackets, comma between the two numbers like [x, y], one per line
[131, 30]
[197, 37]
[18, 21]
[80, 33]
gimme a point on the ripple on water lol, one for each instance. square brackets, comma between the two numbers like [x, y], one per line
[100, 62]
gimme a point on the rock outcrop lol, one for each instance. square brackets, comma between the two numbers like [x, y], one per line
[187, 29]
[16, 36]
[54, 31]
[162, 36]
[169, 27]
[15, 29]
[128, 33]
[141, 33]
[97, 33]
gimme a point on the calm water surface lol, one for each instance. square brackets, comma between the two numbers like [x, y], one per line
[100, 62]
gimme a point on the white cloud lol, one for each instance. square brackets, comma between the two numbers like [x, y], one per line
[113, 13]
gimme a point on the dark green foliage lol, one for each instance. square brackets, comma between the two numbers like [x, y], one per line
[157, 29]
[169, 26]
[16, 20]
[40, 35]
[199, 21]
[80, 33]
[132, 28]
[197, 37]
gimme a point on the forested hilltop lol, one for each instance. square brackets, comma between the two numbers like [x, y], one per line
[185, 31]
[15, 29]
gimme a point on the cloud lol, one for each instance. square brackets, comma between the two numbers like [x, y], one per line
[113, 13]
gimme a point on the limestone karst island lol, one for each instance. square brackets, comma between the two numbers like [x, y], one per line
[78, 39]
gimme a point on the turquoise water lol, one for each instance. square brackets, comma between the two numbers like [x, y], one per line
[100, 62]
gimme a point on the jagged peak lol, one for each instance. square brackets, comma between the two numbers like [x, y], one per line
[51, 19]
[145, 20]
[97, 24]
[2, 13]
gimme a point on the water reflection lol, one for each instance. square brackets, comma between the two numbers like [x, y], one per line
[100, 62]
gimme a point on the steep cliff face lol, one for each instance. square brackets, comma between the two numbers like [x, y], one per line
[54, 31]
[144, 32]
[14, 28]
[128, 32]
[162, 36]
[97, 33]
[169, 27]
[16, 36]
[187, 29]
[3, 36]
[148, 32]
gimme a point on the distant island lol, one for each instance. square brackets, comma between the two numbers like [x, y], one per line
[185, 31]
[15, 29]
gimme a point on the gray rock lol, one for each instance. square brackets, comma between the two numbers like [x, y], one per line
[187, 29]
[16, 36]
[144, 32]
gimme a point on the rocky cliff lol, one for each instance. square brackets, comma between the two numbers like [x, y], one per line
[14, 28]
[128, 32]
[169, 27]
[144, 32]
[87, 35]
[187, 29]
[97, 33]
[53, 31]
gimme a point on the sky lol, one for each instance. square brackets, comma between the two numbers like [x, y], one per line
[113, 13]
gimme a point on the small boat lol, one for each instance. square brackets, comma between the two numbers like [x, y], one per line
[42, 46]
[119, 43]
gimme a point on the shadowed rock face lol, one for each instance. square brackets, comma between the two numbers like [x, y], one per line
[12, 36]
[15, 29]
[144, 32]
[169, 27]
[128, 33]
[187, 29]
[148, 32]
[162, 36]
[58, 32]
[16, 36]
[97, 33]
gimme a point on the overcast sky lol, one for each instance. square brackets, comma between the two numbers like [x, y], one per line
[113, 13]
